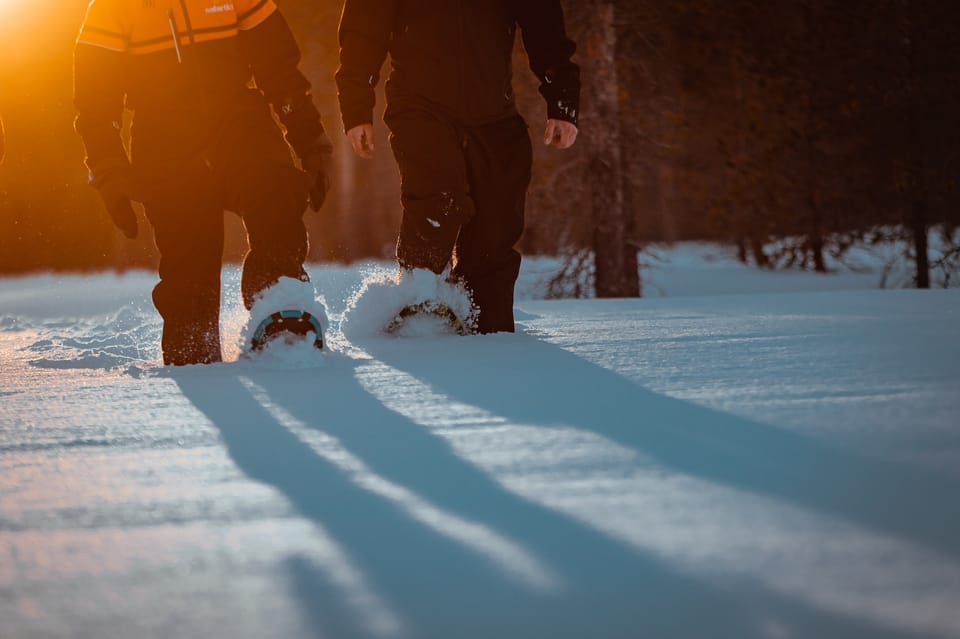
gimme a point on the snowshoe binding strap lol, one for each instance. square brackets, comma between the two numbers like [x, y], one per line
[429, 307]
[287, 325]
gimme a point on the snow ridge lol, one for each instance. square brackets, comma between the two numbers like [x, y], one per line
[382, 293]
[114, 340]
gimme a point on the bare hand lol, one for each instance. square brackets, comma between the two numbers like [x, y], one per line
[560, 133]
[361, 139]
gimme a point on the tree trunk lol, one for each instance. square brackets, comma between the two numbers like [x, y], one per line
[919, 230]
[742, 250]
[631, 263]
[616, 273]
[918, 194]
[756, 249]
[816, 248]
[815, 235]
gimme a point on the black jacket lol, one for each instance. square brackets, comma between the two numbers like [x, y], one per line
[453, 57]
[185, 95]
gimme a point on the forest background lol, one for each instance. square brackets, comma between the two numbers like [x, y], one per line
[791, 129]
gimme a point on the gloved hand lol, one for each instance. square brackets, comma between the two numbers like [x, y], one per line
[305, 133]
[116, 187]
[316, 162]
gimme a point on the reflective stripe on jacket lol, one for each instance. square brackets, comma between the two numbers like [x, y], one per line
[185, 68]
[147, 26]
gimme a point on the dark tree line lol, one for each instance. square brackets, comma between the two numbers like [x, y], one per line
[792, 129]
[816, 123]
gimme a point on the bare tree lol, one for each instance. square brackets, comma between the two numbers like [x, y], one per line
[615, 250]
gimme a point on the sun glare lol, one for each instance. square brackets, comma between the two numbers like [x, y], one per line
[10, 10]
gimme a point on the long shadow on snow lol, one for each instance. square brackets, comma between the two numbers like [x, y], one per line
[438, 586]
[560, 388]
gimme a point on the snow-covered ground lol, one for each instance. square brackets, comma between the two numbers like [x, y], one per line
[741, 454]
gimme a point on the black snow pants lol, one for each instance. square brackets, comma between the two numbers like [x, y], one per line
[247, 169]
[463, 190]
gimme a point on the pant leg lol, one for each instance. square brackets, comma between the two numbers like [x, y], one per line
[499, 158]
[259, 181]
[433, 188]
[272, 213]
[188, 229]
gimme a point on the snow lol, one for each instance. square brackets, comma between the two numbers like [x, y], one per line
[740, 454]
[383, 292]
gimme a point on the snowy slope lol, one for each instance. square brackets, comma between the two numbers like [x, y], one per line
[747, 463]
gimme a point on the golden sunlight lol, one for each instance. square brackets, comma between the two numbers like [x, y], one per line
[7, 6]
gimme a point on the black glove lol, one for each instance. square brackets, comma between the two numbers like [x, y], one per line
[305, 133]
[316, 161]
[116, 187]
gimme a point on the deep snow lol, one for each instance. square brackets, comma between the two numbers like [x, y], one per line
[743, 454]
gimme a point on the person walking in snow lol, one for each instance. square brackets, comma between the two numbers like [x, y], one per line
[203, 140]
[463, 150]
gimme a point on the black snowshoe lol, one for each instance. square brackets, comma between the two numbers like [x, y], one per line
[290, 327]
[428, 308]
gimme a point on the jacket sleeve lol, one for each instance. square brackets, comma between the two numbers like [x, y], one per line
[549, 50]
[364, 37]
[99, 77]
[274, 58]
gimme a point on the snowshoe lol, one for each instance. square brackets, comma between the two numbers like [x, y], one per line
[427, 308]
[290, 327]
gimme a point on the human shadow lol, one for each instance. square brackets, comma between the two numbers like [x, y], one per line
[437, 585]
[560, 388]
